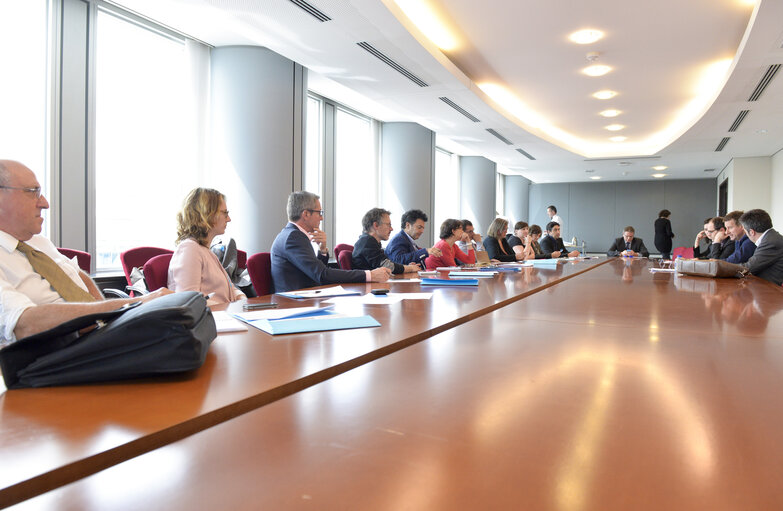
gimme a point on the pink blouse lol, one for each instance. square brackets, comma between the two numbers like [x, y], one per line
[449, 254]
[194, 267]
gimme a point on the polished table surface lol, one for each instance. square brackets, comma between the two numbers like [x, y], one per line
[618, 389]
[58, 435]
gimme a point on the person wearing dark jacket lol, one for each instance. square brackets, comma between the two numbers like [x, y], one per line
[767, 260]
[496, 245]
[664, 234]
[553, 244]
[628, 245]
[722, 246]
[368, 252]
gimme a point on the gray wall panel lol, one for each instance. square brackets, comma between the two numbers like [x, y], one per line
[637, 204]
[477, 189]
[598, 200]
[541, 196]
[690, 201]
[517, 198]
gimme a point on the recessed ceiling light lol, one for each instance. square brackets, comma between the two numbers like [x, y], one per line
[658, 175]
[660, 167]
[618, 139]
[595, 177]
[610, 113]
[586, 36]
[596, 70]
[614, 127]
[762, 131]
[604, 94]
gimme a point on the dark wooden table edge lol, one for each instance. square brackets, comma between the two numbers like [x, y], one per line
[90, 465]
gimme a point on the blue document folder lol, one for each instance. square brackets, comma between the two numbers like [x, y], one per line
[308, 321]
[446, 282]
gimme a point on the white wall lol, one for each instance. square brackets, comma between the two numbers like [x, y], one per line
[749, 183]
[776, 188]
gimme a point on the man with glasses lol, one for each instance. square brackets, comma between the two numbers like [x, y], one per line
[368, 252]
[706, 234]
[39, 287]
[295, 264]
[721, 247]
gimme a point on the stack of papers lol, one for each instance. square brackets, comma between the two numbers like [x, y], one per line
[387, 299]
[447, 282]
[319, 293]
[303, 319]
[474, 273]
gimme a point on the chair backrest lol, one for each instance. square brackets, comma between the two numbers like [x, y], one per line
[259, 266]
[686, 252]
[136, 257]
[339, 248]
[344, 259]
[156, 271]
[82, 258]
[241, 259]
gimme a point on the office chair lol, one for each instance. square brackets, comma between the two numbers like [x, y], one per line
[136, 257]
[685, 252]
[82, 258]
[241, 259]
[156, 271]
[339, 248]
[259, 266]
[344, 259]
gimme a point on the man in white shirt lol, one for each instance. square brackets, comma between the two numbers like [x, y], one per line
[30, 304]
[475, 238]
[551, 211]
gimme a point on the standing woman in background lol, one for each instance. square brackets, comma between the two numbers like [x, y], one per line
[664, 234]
[194, 267]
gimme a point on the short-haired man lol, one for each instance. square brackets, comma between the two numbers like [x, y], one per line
[551, 212]
[553, 244]
[767, 260]
[722, 246]
[743, 247]
[39, 287]
[517, 240]
[706, 234]
[402, 248]
[294, 262]
[471, 235]
[628, 245]
[368, 252]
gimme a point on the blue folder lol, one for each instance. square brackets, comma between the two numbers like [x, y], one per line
[446, 282]
[314, 324]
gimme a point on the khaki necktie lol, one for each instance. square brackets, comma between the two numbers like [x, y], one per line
[57, 278]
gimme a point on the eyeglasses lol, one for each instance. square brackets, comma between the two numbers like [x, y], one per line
[319, 211]
[35, 191]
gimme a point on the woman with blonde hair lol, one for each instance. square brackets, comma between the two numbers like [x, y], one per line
[193, 266]
[496, 245]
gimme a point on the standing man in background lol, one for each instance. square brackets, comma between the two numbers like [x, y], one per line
[551, 211]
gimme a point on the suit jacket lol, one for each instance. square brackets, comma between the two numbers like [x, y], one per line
[295, 266]
[663, 235]
[721, 250]
[402, 250]
[767, 260]
[550, 244]
[743, 250]
[368, 255]
[637, 245]
[492, 246]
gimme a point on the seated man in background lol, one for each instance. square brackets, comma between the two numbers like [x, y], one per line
[472, 238]
[553, 244]
[767, 261]
[703, 236]
[39, 287]
[367, 251]
[402, 248]
[294, 263]
[516, 240]
[722, 246]
[743, 247]
[628, 245]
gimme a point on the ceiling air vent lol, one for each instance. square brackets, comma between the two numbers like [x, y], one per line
[722, 144]
[768, 76]
[499, 137]
[530, 157]
[738, 120]
[389, 62]
[312, 11]
[459, 109]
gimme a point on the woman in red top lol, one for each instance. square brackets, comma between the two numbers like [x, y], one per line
[450, 232]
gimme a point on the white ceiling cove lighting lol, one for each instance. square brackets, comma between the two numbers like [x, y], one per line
[610, 113]
[658, 176]
[604, 94]
[595, 177]
[596, 70]
[427, 20]
[618, 139]
[660, 167]
[586, 36]
[614, 127]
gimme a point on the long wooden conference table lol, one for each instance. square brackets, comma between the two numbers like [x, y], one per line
[615, 389]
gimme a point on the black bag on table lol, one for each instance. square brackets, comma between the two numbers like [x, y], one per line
[170, 334]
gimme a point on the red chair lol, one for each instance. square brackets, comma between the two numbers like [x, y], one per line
[339, 248]
[241, 259]
[156, 271]
[136, 257]
[259, 266]
[82, 258]
[344, 259]
[685, 252]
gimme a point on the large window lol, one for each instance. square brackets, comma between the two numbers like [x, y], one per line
[23, 85]
[447, 195]
[144, 147]
[314, 149]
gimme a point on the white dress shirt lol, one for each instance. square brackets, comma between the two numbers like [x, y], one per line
[21, 287]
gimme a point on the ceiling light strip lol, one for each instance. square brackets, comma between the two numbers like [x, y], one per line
[312, 11]
[738, 120]
[709, 170]
[389, 62]
[459, 109]
[722, 144]
[527, 155]
[768, 76]
[500, 137]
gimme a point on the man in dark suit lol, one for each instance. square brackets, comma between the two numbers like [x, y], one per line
[402, 248]
[628, 245]
[767, 261]
[553, 244]
[294, 262]
[367, 251]
[722, 245]
[743, 247]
